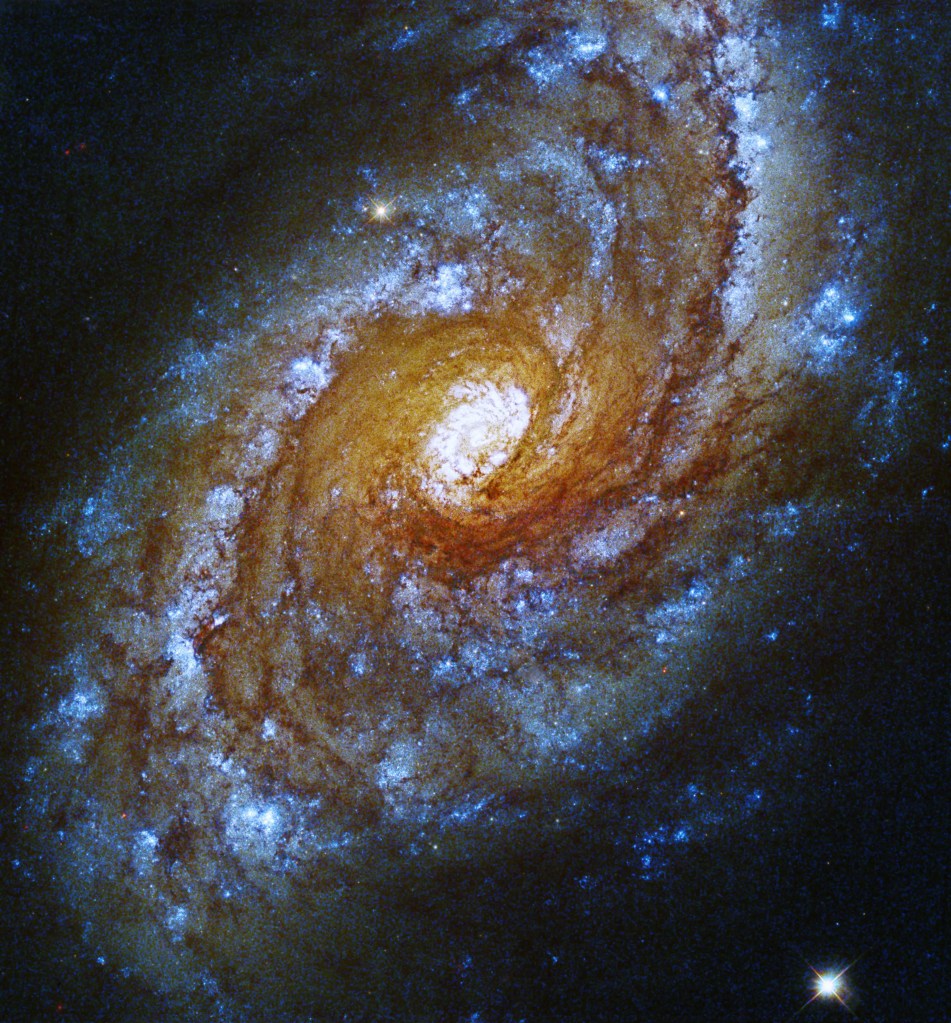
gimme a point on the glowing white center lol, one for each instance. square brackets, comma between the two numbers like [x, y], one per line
[828, 985]
[478, 435]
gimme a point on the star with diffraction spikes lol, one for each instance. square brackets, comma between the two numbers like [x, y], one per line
[379, 211]
[828, 985]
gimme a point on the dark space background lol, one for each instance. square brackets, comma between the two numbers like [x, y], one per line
[137, 145]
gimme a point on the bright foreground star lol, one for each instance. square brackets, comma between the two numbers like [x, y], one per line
[831, 984]
[380, 211]
[827, 985]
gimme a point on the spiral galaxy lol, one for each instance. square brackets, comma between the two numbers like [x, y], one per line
[465, 519]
